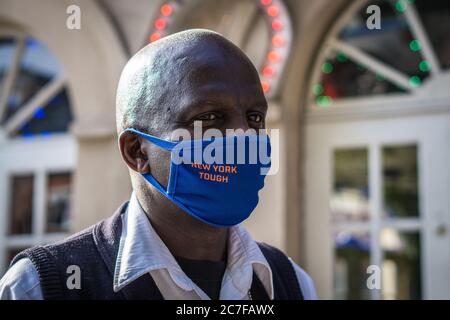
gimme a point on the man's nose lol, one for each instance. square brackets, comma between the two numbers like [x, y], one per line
[239, 122]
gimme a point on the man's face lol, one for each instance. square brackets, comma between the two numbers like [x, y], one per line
[221, 91]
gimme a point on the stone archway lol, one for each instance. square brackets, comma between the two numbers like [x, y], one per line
[311, 23]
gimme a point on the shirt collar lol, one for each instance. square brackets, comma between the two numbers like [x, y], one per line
[141, 250]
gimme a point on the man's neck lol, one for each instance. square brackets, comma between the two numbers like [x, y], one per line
[186, 236]
[193, 243]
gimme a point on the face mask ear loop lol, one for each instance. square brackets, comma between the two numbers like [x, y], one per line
[154, 182]
[164, 144]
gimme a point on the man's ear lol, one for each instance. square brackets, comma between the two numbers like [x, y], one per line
[133, 152]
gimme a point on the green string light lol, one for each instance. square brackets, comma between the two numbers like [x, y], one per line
[424, 66]
[380, 77]
[324, 101]
[327, 67]
[414, 45]
[317, 89]
[341, 57]
[415, 81]
[400, 5]
[361, 67]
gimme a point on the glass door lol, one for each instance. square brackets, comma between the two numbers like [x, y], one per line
[383, 205]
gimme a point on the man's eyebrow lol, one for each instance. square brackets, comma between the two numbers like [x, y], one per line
[201, 102]
[193, 106]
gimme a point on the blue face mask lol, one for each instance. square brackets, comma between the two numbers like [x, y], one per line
[221, 193]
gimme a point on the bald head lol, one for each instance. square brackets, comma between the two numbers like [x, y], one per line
[167, 77]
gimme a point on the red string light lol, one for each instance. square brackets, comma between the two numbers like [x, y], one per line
[166, 10]
[155, 36]
[277, 41]
[268, 71]
[273, 56]
[160, 24]
[277, 25]
[265, 86]
[273, 11]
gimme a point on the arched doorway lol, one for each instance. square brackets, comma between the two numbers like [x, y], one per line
[89, 62]
[377, 130]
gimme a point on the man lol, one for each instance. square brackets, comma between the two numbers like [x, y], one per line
[186, 242]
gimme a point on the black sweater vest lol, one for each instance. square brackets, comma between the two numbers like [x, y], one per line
[95, 250]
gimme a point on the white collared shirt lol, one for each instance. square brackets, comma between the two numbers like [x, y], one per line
[142, 251]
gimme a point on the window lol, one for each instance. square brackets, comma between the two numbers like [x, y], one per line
[58, 202]
[34, 100]
[21, 199]
[37, 152]
[351, 186]
[410, 49]
[390, 240]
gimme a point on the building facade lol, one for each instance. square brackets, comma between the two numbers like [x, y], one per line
[358, 89]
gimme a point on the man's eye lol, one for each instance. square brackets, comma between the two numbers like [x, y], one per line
[207, 117]
[255, 118]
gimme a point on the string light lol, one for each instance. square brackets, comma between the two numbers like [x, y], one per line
[380, 77]
[39, 113]
[415, 45]
[415, 81]
[160, 24]
[424, 66]
[154, 36]
[277, 18]
[327, 67]
[400, 5]
[317, 89]
[341, 57]
[268, 71]
[273, 11]
[166, 10]
[265, 86]
[361, 67]
[277, 25]
[273, 56]
[324, 101]
[277, 41]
